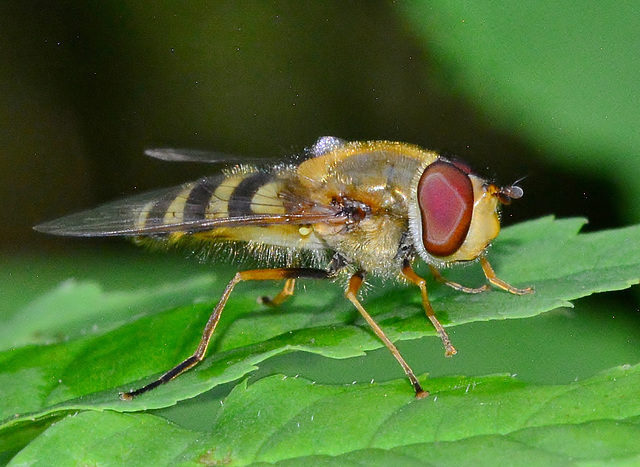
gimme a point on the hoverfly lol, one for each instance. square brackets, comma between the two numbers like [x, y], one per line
[349, 209]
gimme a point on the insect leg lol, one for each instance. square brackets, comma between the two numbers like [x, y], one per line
[286, 292]
[352, 291]
[454, 285]
[411, 276]
[252, 275]
[491, 277]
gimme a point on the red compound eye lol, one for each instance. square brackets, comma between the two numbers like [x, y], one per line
[445, 198]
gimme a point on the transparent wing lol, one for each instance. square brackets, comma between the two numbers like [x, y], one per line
[322, 146]
[213, 157]
[152, 214]
[197, 155]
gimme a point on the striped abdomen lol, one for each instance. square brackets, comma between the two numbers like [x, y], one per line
[235, 196]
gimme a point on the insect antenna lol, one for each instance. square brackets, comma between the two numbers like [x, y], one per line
[511, 192]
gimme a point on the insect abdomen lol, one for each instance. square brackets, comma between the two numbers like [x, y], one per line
[237, 195]
[246, 192]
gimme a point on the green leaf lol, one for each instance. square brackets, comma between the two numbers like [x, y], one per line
[526, 254]
[322, 322]
[559, 75]
[85, 373]
[89, 309]
[491, 420]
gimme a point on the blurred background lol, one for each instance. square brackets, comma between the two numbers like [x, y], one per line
[546, 92]
[549, 92]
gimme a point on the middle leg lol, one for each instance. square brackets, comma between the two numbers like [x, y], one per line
[411, 276]
[352, 291]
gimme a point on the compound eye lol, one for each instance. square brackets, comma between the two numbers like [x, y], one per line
[445, 198]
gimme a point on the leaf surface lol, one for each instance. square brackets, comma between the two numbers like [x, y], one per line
[44, 382]
[483, 420]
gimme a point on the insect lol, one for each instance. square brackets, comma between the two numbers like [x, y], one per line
[344, 209]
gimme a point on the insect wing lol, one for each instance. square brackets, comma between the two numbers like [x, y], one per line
[206, 157]
[212, 157]
[121, 217]
[322, 146]
[189, 208]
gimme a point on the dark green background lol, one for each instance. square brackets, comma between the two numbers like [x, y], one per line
[86, 86]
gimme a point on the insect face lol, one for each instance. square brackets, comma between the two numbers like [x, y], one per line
[454, 214]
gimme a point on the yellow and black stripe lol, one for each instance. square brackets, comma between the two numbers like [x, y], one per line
[231, 196]
[240, 194]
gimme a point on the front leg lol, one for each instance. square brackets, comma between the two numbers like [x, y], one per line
[454, 285]
[491, 277]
